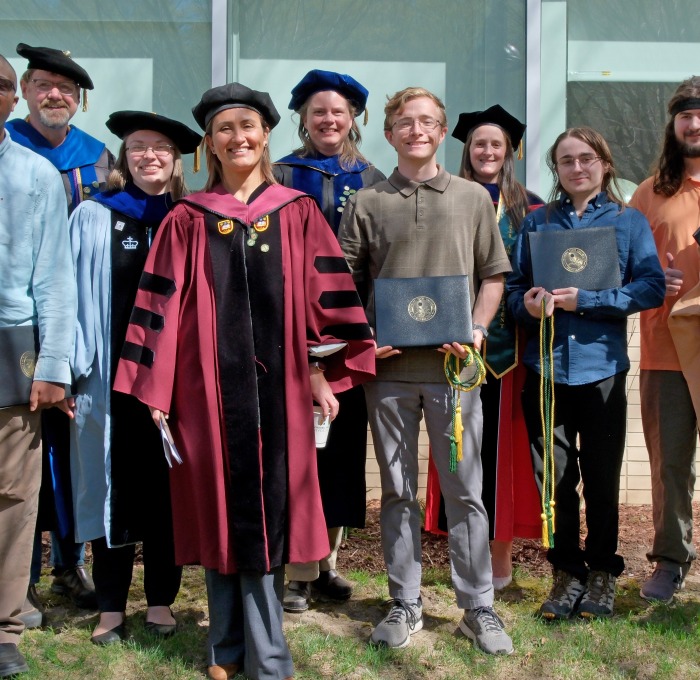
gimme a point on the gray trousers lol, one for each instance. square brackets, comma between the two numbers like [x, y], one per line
[245, 623]
[670, 432]
[395, 411]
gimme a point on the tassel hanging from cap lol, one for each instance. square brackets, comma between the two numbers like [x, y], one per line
[453, 369]
[547, 421]
[365, 119]
[197, 158]
[85, 100]
[520, 150]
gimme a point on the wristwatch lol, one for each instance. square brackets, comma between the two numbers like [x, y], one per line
[479, 327]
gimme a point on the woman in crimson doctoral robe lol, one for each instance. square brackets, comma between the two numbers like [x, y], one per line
[243, 279]
[509, 491]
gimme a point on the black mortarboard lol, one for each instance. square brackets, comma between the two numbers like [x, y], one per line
[55, 61]
[320, 81]
[234, 96]
[123, 123]
[495, 115]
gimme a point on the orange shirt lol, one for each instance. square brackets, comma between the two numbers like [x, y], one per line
[673, 221]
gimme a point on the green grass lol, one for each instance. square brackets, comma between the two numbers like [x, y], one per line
[641, 642]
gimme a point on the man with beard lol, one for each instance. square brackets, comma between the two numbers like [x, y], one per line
[51, 86]
[670, 358]
[36, 289]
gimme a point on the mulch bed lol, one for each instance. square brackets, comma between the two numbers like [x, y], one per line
[362, 550]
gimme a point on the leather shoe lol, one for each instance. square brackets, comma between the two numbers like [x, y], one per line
[223, 672]
[161, 629]
[332, 585]
[296, 597]
[110, 637]
[76, 584]
[11, 660]
[32, 614]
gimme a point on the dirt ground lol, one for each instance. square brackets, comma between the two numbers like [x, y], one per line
[362, 551]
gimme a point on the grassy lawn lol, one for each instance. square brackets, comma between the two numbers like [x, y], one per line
[641, 641]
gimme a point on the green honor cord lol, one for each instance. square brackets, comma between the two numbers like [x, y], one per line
[454, 367]
[547, 421]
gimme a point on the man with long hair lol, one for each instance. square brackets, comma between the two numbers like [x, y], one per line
[670, 378]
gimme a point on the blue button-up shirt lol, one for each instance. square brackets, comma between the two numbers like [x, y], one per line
[590, 344]
[37, 285]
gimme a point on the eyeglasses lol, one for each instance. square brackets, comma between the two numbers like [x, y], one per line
[7, 86]
[45, 86]
[160, 150]
[585, 161]
[425, 124]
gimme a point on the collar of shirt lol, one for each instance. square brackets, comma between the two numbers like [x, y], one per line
[407, 186]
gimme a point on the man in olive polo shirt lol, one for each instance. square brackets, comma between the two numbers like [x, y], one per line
[424, 222]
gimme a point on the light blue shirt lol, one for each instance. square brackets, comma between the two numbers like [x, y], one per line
[37, 285]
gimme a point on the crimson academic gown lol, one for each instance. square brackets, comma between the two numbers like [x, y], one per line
[232, 297]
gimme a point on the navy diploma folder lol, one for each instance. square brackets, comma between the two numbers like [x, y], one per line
[422, 312]
[575, 258]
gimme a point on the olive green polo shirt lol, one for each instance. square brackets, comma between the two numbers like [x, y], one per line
[401, 229]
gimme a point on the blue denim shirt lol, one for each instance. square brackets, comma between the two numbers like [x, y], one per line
[37, 285]
[590, 344]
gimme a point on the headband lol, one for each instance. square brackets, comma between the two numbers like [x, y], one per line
[685, 105]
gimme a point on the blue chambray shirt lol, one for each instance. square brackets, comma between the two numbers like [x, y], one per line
[37, 285]
[590, 344]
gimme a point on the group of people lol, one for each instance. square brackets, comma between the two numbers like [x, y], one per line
[213, 321]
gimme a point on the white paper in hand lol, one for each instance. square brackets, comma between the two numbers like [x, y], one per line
[169, 447]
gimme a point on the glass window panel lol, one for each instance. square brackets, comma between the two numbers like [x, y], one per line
[152, 55]
[469, 52]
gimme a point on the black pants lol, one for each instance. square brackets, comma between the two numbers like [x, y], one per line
[597, 414]
[112, 570]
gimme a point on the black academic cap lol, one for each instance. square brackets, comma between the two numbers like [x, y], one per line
[495, 115]
[320, 81]
[234, 96]
[123, 123]
[55, 61]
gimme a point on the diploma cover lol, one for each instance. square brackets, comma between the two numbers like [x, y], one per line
[580, 258]
[422, 312]
[19, 350]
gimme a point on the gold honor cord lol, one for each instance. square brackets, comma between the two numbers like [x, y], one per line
[547, 420]
[453, 368]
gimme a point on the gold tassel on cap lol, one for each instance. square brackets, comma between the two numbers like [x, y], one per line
[195, 167]
[85, 100]
[520, 150]
[366, 118]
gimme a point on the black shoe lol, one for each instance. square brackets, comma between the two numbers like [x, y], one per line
[11, 660]
[161, 629]
[332, 585]
[32, 614]
[296, 597]
[110, 637]
[76, 584]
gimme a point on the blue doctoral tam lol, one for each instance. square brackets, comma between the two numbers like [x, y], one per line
[321, 81]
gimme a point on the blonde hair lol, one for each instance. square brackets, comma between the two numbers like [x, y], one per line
[349, 155]
[215, 169]
[396, 102]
